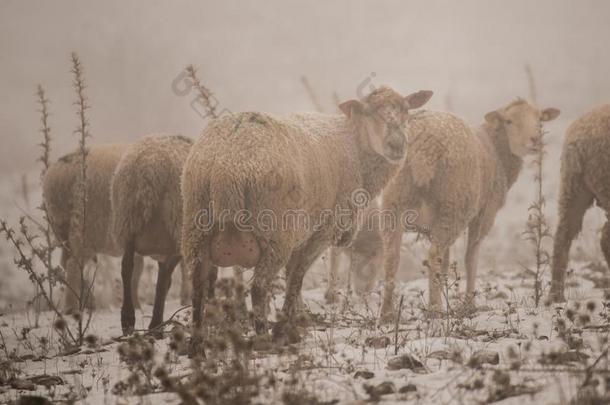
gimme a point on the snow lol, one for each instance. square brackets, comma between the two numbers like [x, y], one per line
[335, 348]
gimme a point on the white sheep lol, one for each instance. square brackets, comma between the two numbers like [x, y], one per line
[246, 165]
[147, 214]
[585, 164]
[63, 202]
[456, 178]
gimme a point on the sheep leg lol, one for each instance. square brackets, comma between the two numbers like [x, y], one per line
[212, 278]
[201, 279]
[574, 201]
[128, 316]
[445, 272]
[605, 242]
[331, 294]
[392, 241]
[164, 281]
[240, 292]
[264, 273]
[135, 282]
[201, 269]
[435, 278]
[73, 281]
[300, 261]
[472, 253]
[185, 285]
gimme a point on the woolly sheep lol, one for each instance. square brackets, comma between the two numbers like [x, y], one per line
[267, 168]
[364, 255]
[456, 178]
[147, 214]
[585, 164]
[64, 206]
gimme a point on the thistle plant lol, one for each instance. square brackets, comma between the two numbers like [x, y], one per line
[537, 228]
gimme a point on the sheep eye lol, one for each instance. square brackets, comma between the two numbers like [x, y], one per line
[508, 121]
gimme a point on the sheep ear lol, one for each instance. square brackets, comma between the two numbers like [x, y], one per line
[351, 107]
[494, 118]
[549, 114]
[417, 99]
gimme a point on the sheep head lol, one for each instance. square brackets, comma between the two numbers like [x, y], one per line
[522, 124]
[381, 120]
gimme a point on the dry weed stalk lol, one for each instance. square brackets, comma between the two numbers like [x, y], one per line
[537, 229]
[205, 94]
[29, 249]
[44, 158]
[80, 215]
[312, 94]
[25, 260]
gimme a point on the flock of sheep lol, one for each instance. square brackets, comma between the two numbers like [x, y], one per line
[222, 200]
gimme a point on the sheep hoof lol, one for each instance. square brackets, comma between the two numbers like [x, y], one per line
[195, 348]
[261, 342]
[127, 324]
[331, 297]
[285, 333]
[260, 327]
[387, 316]
[155, 330]
[304, 317]
[468, 307]
[434, 312]
[556, 296]
[70, 310]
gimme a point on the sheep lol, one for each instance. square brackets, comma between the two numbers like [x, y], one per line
[253, 183]
[64, 209]
[585, 164]
[364, 254]
[455, 178]
[147, 214]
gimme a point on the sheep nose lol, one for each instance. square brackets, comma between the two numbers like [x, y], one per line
[396, 142]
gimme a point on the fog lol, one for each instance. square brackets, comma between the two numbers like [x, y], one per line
[252, 55]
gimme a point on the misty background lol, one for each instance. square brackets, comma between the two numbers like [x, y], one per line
[252, 56]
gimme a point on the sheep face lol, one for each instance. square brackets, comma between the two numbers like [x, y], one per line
[381, 120]
[522, 124]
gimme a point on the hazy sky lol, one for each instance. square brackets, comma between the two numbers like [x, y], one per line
[252, 55]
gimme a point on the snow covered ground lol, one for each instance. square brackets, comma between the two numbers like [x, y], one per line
[507, 348]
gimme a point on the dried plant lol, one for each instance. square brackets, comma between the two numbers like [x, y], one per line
[205, 94]
[531, 82]
[82, 130]
[36, 248]
[44, 159]
[537, 228]
[312, 94]
[29, 251]
[224, 376]
[79, 214]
